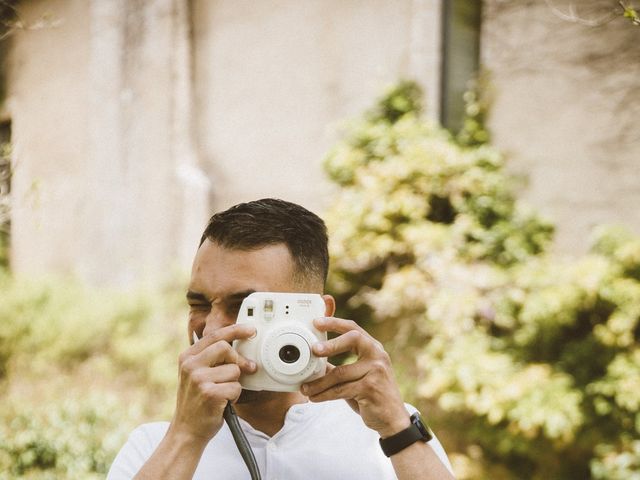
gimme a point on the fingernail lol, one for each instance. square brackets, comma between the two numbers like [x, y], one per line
[252, 365]
[320, 321]
[319, 347]
[304, 389]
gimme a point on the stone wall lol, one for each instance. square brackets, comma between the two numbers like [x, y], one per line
[274, 80]
[566, 109]
[104, 166]
[133, 120]
[47, 102]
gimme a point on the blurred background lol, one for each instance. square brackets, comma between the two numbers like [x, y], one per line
[476, 162]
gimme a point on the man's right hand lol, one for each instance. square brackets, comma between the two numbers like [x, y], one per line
[209, 378]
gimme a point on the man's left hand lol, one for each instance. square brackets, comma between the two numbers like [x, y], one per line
[368, 384]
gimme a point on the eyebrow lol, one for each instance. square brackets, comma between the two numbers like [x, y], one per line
[235, 296]
[191, 295]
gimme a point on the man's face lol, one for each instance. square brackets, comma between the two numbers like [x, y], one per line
[221, 278]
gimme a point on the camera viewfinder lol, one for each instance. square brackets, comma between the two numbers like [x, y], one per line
[268, 308]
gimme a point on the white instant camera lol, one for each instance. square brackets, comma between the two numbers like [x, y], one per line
[281, 346]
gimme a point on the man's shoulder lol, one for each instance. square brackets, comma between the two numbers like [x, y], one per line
[142, 442]
[152, 432]
[160, 426]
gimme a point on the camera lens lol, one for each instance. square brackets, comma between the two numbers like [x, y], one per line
[289, 354]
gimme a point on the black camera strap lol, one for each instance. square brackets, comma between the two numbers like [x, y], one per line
[242, 443]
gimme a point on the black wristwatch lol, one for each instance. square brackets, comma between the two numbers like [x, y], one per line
[418, 430]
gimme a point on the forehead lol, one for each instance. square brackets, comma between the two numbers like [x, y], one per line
[218, 271]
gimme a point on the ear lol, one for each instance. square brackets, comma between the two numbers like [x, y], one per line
[330, 305]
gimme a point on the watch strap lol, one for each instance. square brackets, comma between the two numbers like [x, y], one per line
[401, 440]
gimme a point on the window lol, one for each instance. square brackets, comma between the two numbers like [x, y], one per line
[5, 191]
[460, 57]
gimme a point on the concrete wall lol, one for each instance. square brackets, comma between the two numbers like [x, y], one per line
[566, 109]
[132, 120]
[99, 99]
[48, 106]
[275, 78]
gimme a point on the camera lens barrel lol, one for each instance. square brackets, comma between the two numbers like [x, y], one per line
[289, 354]
[286, 354]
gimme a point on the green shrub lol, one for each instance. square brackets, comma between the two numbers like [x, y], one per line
[74, 438]
[527, 362]
[79, 369]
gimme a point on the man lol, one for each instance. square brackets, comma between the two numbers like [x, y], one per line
[275, 246]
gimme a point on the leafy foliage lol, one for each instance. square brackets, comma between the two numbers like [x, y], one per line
[631, 13]
[79, 369]
[477, 102]
[75, 438]
[528, 362]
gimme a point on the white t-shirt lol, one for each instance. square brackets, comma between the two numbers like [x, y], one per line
[318, 441]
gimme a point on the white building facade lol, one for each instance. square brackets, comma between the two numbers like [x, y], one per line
[132, 121]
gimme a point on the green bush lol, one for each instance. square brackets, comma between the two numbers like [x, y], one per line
[79, 369]
[528, 363]
[73, 438]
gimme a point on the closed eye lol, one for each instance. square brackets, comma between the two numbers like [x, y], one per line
[200, 307]
[198, 302]
[232, 309]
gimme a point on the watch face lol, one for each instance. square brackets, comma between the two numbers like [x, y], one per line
[424, 430]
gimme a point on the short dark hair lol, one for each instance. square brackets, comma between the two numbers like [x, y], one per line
[270, 221]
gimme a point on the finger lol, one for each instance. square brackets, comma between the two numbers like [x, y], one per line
[338, 325]
[228, 334]
[337, 375]
[229, 391]
[221, 352]
[351, 341]
[228, 372]
[346, 391]
[246, 365]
